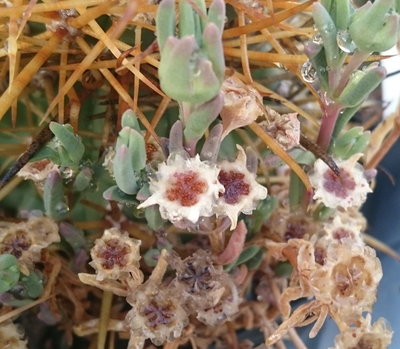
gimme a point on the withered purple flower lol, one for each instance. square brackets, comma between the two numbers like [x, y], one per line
[349, 189]
[242, 192]
[115, 255]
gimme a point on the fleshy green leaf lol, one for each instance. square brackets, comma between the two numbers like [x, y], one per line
[32, 285]
[83, 179]
[116, 194]
[327, 30]
[129, 119]
[351, 142]
[201, 118]
[153, 218]
[256, 261]
[283, 269]
[53, 197]
[9, 272]
[71, 143]
[165, 20]
[261, 214]
[374, 27]
[361, 84]
[245, 256]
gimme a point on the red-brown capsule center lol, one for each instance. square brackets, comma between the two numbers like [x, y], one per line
[113, 253]
[234, 184]
[341, 233]
[150, 150]
[341, 185]
[186, 187]
[159, 314]
[16, 243]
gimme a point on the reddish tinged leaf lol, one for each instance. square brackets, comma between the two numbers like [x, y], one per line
[235, 245]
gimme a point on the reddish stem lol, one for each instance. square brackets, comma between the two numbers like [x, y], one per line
[331, 112]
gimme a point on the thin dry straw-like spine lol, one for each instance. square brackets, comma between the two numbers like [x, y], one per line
[26, 75]
[266, 22]
[47, 7]
[123, 93]
[275, 147]
[114, 31]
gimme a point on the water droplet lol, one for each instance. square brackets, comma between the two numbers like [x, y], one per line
[66, 173]
[196, 73]
[317, 39]
[62, 208]
[308, 72]
[344, 41]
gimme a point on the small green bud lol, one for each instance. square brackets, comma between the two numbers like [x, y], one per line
[32, 285]
[185, 74]
[53, 197]
[9, 272]
[129, 119]
[153, 218]
[73, 235]
[373, 28]
[192, 66]
[151, 256]
[360, 85]
[83, 179]
[72, 145]
[351, 142]
[130, 157]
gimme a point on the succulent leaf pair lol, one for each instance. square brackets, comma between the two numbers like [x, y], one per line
[373, 27]
[192, 65]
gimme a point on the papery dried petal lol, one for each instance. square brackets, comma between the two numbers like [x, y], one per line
[26, 240]
[224, 310]
[349, 189]
[184, 189]
[285, 128]
[156, 313]
[243, 104]
[11, 336]
[242, 192]
[37, 171]
[365, 336]
[199, 281]
[115, 255]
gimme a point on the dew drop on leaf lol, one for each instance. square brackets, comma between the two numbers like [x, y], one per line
[344, 41]
[308, 73]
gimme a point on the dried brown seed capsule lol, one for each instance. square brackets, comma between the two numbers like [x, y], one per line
[115, 255]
